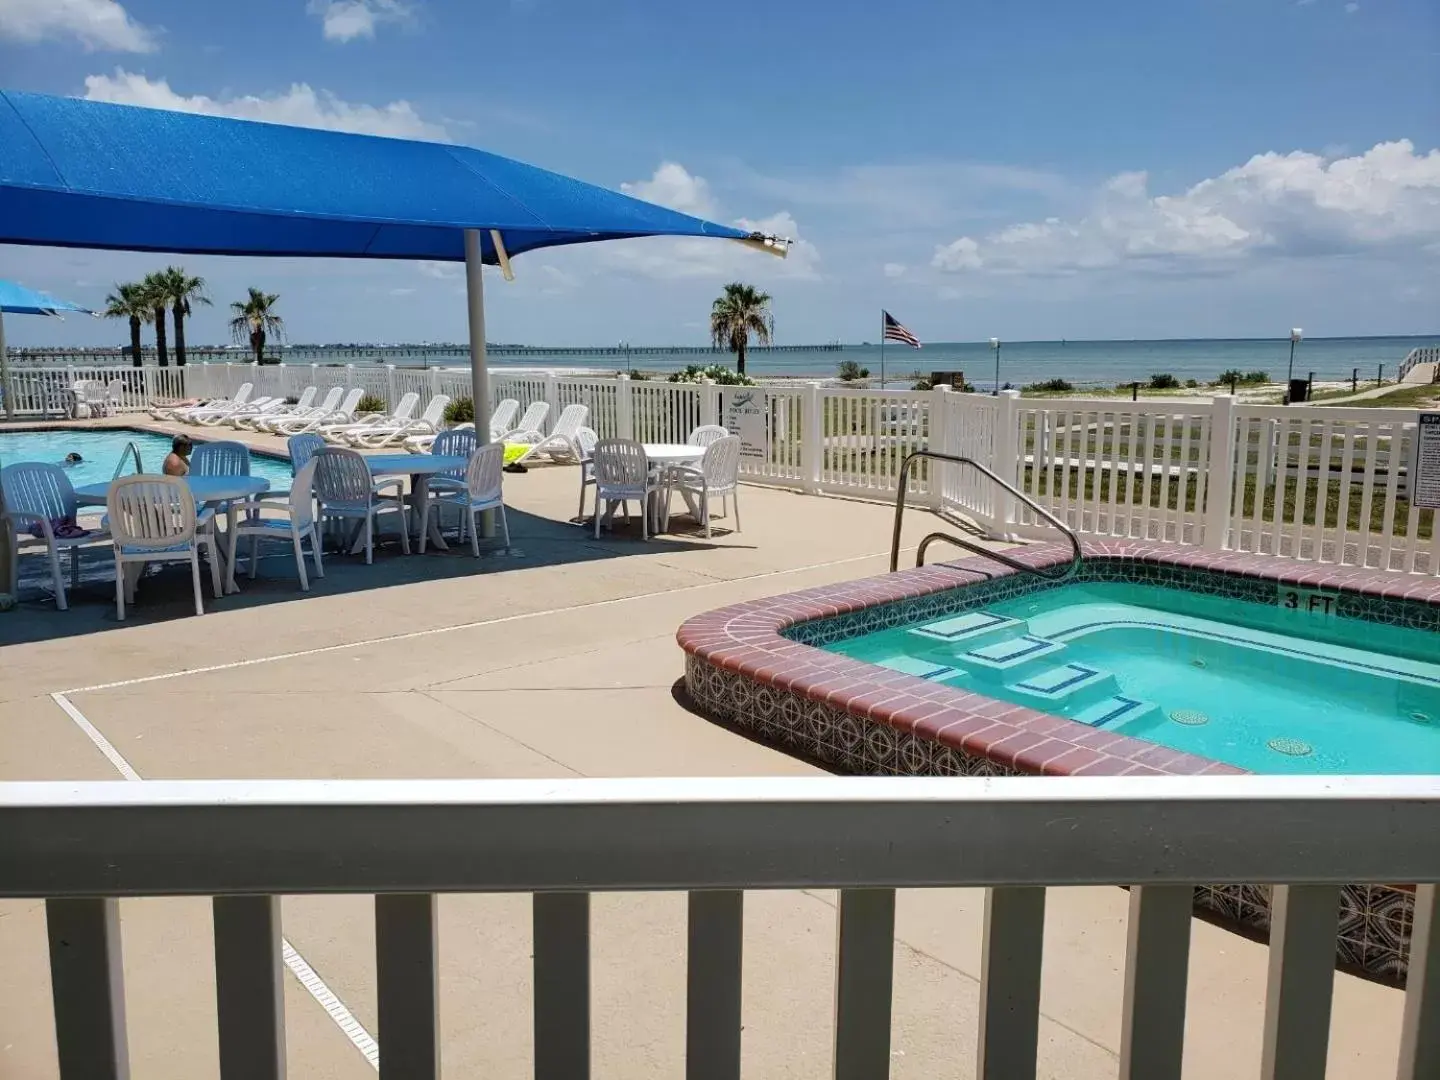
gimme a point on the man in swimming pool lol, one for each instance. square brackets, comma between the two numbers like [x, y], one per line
[177, 462]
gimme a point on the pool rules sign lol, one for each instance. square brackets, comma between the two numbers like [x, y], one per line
[745, 413]
[1425, 462]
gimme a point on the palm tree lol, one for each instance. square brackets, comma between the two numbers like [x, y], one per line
[255, 319]
[739, 312]
[154, 286]
[130, 301]
[182, 290]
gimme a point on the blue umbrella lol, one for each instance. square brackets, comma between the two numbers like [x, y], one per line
[16, 299]
[88, 174]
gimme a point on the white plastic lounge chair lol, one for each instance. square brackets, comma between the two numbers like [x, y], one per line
[345, 490]
[254, 420]
[243, 397]
[178, 412]
[297, 526]
[272, 407]
[484, 481]
[560, 444]
[586, 439]
[153, 519]
[530, 429]
[503, 418]
[212, 417]
[623, 475]
[345, 414]
[220, 459]
[389, 433]
[706, 434]
[339, 434]
[38, 493]
[326, 407]
[717, 476]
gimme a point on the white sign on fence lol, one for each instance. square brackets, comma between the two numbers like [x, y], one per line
[1425, 462]
[745, 415]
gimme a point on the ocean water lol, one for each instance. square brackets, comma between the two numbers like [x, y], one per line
[1083, 363]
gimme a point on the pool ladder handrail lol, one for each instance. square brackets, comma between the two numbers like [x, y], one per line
[1067, 571]
[130, 450]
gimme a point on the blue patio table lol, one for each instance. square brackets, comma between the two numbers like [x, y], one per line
[206, 489]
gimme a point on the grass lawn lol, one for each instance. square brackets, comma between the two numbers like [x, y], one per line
[1405, 396]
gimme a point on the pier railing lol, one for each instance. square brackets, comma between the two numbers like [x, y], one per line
[82, 847]
[1324, 484]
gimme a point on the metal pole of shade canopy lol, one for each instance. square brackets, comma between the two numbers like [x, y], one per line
[479, 370]
[8, 389]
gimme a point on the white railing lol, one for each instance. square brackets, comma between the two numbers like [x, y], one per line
[1422, 354]
[82, 846]
[47, 391]
[1301, 482]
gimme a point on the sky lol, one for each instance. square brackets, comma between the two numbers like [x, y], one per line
[1031, 169]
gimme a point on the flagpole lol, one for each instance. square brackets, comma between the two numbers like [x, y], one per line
[882, 348]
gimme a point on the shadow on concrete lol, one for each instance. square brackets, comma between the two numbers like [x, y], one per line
[165, 593]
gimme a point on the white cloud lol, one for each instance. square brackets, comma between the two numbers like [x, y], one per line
[346, 20]
[894, 270]
[300, 106]
[441, 271]
[1351, 8]
[1275, 204]
[95, 24]
[673, 186]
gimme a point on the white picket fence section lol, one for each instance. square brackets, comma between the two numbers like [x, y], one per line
[1316, 484]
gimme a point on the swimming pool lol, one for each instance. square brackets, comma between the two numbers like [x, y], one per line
[1269, 688]
[101, 451]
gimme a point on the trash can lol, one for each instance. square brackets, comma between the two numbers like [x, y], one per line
[1299, 391]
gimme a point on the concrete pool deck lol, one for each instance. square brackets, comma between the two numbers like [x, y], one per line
[558, 660]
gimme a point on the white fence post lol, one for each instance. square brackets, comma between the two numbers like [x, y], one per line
[349, 376]
[624, 408]
[812, 441]
[709, 403]
[552, 394]
[1220, 474]
[390, 396]
[938, 439]
[1007, 455]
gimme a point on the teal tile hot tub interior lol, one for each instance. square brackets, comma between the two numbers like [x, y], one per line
[1272, 688]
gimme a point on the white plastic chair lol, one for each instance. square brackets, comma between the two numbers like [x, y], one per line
[326, 407]
[153, 519]
[395, 430]
[343, 414]
[622, 474]
[279, 408]
[530, 428]
[38, 493]
[302, 448]
[345, 490]
[716, 477]
[706, 434]
[340, 434]
[560, 444]
[220, 459]
[503, 418]
[114, 396]
[585, 439]
[484, 481]
[297, 526]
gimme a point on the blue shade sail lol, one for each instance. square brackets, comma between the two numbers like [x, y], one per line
[16, 299]
[88, 174]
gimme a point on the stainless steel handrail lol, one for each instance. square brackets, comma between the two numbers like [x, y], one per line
[1015, 564]
[133, 451]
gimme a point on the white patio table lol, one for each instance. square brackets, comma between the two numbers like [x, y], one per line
[419, 467]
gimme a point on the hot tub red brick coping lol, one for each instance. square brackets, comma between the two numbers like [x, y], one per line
[747, 639]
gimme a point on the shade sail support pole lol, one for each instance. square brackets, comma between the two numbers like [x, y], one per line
[479, 367]
[9, 390]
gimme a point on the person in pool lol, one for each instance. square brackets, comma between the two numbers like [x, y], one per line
[73, 458]
[177, 462]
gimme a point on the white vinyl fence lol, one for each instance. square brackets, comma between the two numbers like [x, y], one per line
[1312, 483]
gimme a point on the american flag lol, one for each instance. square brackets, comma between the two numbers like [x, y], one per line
[894, 331]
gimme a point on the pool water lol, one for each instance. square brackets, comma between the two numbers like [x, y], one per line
[1267, 688]
[101, 451]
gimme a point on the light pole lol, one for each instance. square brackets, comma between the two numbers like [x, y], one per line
[1296, 335]
[995, 344]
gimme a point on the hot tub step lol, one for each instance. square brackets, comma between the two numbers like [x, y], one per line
[1115, 710]
[920, 668]
[1070, 684]
[1010, 653]
[969, 628]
